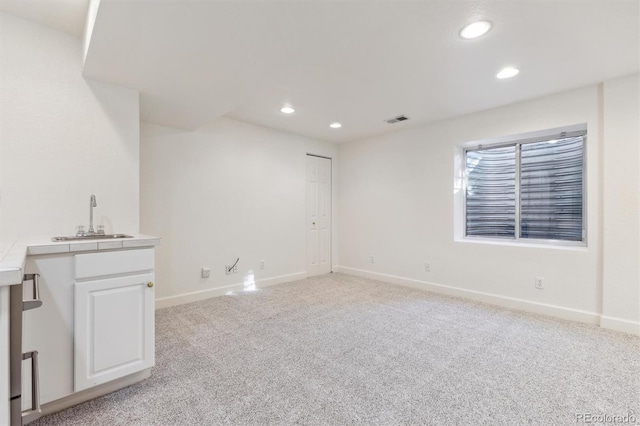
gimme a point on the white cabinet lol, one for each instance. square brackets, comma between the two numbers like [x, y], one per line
[96, 322]
[49, 329]
[113, 316]
[4, 355]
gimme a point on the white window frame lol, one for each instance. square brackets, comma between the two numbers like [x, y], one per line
[517, 141]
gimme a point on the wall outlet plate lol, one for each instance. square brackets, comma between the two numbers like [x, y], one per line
[262, 264]
[539, 282]
[427, 267]
[372, 259]
[206, 272]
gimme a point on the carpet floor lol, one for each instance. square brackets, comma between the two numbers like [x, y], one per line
[338, 349]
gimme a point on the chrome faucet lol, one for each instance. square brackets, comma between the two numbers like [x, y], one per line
[81, 232]
[92, 204]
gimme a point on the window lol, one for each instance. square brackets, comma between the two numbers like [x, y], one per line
[532, 189]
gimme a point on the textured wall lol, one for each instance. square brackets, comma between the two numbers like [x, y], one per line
[63, 138]
[225, 191]
[621, 274]
[397, 197]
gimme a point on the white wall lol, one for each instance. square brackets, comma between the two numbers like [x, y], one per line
[63, 138]
[621, 273]
[225, 191]
[397, 197]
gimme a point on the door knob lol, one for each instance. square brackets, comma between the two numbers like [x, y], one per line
[149, 284]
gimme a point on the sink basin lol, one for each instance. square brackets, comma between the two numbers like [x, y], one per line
[92, 237]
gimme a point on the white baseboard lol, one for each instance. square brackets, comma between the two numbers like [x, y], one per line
[619, 324]
[95, 392]
[181, 299]
[494, 299]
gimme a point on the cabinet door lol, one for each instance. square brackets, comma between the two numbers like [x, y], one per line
[114, 329]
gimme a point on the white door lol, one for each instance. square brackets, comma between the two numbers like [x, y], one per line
[114, 328]
[318, 215]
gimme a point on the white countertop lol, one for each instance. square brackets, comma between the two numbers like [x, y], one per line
[13, 254]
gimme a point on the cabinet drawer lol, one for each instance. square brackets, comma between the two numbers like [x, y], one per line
[113, 263]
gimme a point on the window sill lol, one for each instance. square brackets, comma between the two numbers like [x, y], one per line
[578, 246]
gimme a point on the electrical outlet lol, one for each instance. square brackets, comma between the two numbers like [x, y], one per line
[372, 259]
[231, 269]
[427, 267]
[206, 272]
[539, 282]
[262, 264]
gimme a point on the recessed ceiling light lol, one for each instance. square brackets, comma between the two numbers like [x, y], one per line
[287, 110]
[508, 72]
[335, 125]
[475, 29]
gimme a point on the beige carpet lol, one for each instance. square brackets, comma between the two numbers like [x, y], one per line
[336, 350]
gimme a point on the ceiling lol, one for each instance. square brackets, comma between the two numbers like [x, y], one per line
[68, 16]
[353, 61]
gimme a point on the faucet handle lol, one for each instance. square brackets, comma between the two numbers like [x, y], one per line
[81, 231]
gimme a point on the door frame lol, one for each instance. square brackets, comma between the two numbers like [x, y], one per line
[309, 154]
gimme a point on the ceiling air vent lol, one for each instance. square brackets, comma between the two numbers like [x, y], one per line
[397, 119]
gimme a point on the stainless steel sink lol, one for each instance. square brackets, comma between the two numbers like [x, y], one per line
[92, 237]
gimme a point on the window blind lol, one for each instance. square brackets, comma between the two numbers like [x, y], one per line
[551, 186]
[490, 205]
